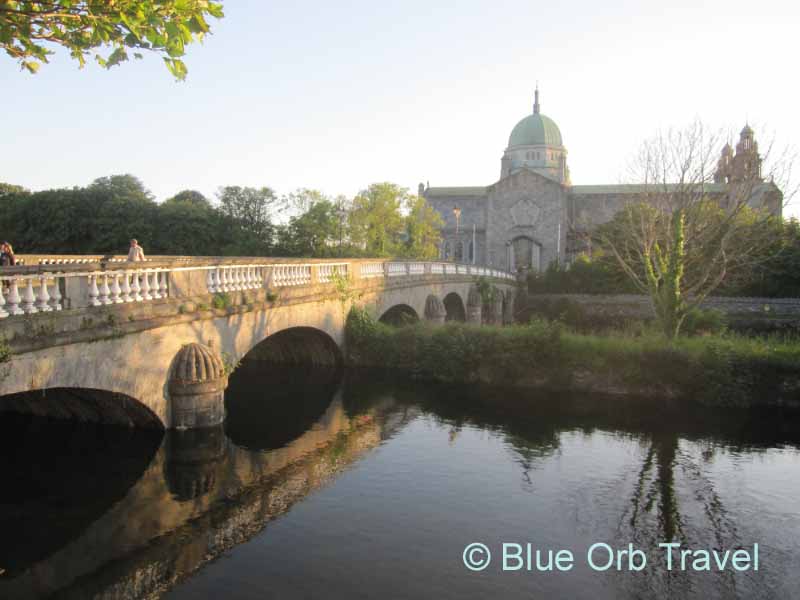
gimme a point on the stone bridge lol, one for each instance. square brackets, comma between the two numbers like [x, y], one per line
[151, 343]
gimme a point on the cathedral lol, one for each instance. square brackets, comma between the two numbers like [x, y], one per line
[533, 215]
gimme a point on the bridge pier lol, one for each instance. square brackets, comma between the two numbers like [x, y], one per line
[435, 311]
[197, 388]
[508, 308]
[474, 303]
[496, 308]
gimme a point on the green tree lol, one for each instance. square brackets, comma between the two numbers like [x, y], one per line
[250, 210]
[163, 27]
[192, 197]
[681, 243]
[375, 221]
[126, 187]
[423, 229]
[191, 229]
[8, 189]
[313, 233]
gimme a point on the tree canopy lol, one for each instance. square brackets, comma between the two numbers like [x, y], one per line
[164, 27]
[242, 221]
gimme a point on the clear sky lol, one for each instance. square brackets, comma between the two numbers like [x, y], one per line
[335, 96]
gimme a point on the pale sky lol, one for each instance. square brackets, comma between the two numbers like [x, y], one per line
[335, 96]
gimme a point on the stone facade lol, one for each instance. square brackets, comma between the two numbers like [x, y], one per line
[533, 214]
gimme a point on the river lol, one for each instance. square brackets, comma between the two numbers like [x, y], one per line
[373, 488]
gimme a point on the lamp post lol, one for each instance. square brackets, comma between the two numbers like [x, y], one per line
[341, 213]
[457, 215]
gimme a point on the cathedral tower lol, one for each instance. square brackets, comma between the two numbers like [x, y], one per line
[745, 165]
[535, 143]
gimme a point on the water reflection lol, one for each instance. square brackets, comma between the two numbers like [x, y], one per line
[95, 512]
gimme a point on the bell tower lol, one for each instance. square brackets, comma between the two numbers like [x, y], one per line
[743, 166]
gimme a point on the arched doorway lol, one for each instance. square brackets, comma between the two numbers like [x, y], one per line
[525, 254]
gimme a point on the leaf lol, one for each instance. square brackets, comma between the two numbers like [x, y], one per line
[31, 66]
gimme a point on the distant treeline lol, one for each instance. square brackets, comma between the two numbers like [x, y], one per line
[382, 220]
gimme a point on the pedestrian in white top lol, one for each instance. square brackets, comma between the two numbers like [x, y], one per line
[135, 254]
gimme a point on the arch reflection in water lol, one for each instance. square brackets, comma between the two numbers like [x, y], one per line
[200, 495]
[281, 388]
[58, 478]
[83, 405]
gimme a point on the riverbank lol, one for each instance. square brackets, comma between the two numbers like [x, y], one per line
[721, 370]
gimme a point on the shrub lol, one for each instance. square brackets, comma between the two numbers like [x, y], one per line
[704, 321]
[222, 300]
[719, 369]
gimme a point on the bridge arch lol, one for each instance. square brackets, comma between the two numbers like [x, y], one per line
[273, 396]
[399, 315]
[454, 307]
[299, 345]
[82, 404]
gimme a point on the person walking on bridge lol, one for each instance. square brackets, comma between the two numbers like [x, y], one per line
[135, 254]
[7, 255]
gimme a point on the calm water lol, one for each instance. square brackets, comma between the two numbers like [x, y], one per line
[372, 489]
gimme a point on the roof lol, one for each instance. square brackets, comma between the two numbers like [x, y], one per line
[456, 191]
[637, 188]
[535, 130]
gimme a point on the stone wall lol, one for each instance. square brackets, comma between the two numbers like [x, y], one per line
[524, 205]
[744, 311]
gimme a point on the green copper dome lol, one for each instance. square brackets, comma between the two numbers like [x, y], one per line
[535, 130]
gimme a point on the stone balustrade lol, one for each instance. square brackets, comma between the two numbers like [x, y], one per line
[47, 285]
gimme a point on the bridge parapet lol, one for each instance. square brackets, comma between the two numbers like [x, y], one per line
[52, 284]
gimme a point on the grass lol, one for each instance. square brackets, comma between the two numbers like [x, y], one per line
[723, 368]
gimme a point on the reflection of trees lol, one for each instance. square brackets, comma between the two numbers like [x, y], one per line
[657, 513]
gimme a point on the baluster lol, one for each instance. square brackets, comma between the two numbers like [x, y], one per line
[155, 288]
[146, 295]
[251, 277]
[210, 282]
[28, 299]
[93, 291]
[163, 286]
[105, 291]
[237, 278]
[223, 273]
[126, 287]
[14, 299]
[55, 295]
[115, 289]
[3, 313]
[135, 289]
[43, 299]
